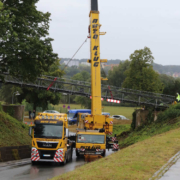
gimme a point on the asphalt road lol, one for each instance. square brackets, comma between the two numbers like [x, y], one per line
[42, 171]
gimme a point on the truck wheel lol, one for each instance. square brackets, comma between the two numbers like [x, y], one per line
[71, 153]
[77, 154]
[65, 160]
[104, 153]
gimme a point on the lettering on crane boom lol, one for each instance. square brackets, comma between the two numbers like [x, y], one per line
[89, 147]
[95, 48]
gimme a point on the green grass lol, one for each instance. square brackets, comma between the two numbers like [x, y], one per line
[166, 121]
[139, 161]
[118, 129]
[13, 132]
[129, 138]
[113, 110]
[143, 151]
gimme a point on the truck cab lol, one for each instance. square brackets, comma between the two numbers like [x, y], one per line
[90, 143]
[50, 139]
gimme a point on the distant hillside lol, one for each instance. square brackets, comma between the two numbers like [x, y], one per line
[116, 61]
[168, 69]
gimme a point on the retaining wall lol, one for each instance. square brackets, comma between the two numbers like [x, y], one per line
[141, 116]
[14, 153]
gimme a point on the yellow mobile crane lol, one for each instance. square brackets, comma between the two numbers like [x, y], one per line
[96, 120]
[102, 124]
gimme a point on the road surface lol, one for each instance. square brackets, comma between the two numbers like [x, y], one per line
[173, 173]
[42, 171]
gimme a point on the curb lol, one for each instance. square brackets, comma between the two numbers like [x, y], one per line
[166, 167]
[15, 163]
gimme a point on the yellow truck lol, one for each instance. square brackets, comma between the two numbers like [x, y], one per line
[90, 143]
[50, 141]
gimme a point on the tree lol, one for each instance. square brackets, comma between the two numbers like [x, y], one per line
[25, 49]
[82, 76]
[116, 76]
[171, 85]
[5, 28]
[39, 98]
[84, 101]
[141, 75]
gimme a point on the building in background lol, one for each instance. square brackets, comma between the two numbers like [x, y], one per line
[176, 75]
[72, 63]
[111, 65]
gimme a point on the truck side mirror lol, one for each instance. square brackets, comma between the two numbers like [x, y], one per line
[30, 131]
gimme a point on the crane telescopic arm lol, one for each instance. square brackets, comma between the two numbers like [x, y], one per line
[96, 120]
[94, 5]
[95, 59]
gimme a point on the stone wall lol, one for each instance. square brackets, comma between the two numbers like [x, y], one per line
[16, 111]
[14, 153]
[141, 116]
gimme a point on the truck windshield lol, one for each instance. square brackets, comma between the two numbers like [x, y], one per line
[71, 115]
[95, 139]
[48, 131]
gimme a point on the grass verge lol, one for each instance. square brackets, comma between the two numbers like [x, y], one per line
[148, 148]
[166, 121]
[139, 161]
[12, 131]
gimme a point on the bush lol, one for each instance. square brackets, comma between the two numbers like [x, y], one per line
[171, 113]
[1, 108]
[133, 124]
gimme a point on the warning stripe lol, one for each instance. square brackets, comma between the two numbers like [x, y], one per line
[114, 101]
[97, 150]
[115, 146]
[59, 157]
[113, 139]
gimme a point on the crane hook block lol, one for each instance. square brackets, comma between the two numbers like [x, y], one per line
[94, 5]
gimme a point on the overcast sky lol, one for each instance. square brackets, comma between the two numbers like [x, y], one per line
[130, 25]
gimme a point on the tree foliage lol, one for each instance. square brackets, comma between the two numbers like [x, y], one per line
[39, 98]
[82, 76]
[25, 48]
[141, 75]
[84, 101]
[170, 84]
[117, 76]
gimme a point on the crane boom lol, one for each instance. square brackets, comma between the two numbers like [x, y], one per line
[96, 120]
[95, 59]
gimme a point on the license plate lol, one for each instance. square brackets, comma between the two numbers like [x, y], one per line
[46, 155]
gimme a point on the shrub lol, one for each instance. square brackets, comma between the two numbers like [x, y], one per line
[133, 124]
[171, 113]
